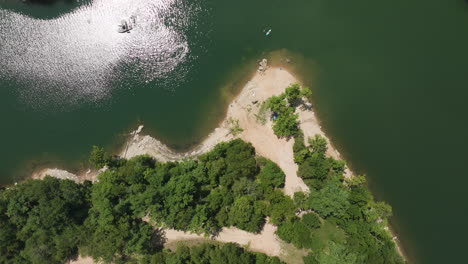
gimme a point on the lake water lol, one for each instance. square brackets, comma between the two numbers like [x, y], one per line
[389, 79]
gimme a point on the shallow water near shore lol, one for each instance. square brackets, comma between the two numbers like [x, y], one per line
[389, 82]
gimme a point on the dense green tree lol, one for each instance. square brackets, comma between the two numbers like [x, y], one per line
[247, 214]
[10, 246]
[114, 229]
[293, 93]
[41, 220]
[306, 92]
[383, 209]
[238, 160]
[318, 144]
[180, 194]
[315, 166]
[301, 152]
[286, 124]
[311, 220]
[356, 181]
[280, 207]
[310, 259]
[228, 253]
[301, 200]
[271, 175]
[217, 204]
[245, 186]
[295, 232]
[331, 200]
[99, 158]
[277, 104]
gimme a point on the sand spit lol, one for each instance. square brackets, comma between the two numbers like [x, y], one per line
[243, 108]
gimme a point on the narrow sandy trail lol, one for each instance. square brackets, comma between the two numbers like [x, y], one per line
[266, 242]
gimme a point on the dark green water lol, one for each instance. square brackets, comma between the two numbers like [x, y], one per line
[389, 79]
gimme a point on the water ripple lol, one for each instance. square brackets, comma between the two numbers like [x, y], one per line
[75, 57]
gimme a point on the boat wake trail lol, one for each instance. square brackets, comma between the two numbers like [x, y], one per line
[75, 58]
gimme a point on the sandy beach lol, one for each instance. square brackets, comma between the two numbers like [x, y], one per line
[263, 85]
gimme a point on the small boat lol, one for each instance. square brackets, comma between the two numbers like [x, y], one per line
[125, 26]
[268, 32]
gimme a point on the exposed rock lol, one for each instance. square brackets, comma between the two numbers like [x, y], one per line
[57, 173]
[263, 66]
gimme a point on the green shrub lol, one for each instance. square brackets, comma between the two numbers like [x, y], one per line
[301, 152]
[318, 144]
[271, 175]
[293, 93]
[280, 207]
[311, 220]
[277, 104]
[314, 167]
[286, 124]
[234, 127]
[331, 200]
[301, 200]
[247, 214]
[295, 232]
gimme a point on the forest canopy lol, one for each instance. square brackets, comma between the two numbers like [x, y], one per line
[121, 217]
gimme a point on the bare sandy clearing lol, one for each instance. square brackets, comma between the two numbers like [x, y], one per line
[266, 242]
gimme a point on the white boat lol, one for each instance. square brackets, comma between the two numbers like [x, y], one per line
[125, 26]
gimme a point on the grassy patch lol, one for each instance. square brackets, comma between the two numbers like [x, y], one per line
[261, 116]
[234, 127]
[292, 255]
[327, 232]
[189, 243]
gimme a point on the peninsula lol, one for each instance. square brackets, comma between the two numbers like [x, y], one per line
[267, 179]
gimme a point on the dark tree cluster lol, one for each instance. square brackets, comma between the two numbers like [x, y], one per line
[40, 221]
[283, 106]
[228, 253]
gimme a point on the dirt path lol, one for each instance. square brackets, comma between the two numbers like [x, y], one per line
[267, 241]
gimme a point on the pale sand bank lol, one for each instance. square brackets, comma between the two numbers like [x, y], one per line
[263, 85]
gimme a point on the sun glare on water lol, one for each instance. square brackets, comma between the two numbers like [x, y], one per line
[75, 57]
